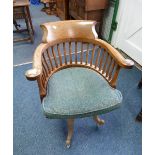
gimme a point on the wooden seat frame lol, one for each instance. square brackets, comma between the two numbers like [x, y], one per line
[46, 62]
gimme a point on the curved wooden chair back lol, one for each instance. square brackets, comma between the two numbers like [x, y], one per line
[68, 29]
[74, 44]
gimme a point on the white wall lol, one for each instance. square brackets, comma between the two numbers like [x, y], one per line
[128, 35]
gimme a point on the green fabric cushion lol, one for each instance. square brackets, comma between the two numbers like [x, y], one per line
[79, 92]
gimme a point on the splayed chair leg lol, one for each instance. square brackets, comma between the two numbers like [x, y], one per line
[70, 125]
[98, 120]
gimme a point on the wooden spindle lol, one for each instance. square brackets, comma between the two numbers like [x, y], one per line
[87, 53]
[75, 52]
[114, 79]
[64, 49]
[54, 56]
[43, 80]
[101, 60]
[97, 58]
[112, 68]
[46, 72]
[49, 57]
[108, 67]
[92, 57]
[59, 54]
[45, 61]
[43, 77]
[105, 64]
[70, 52]
[81, 57]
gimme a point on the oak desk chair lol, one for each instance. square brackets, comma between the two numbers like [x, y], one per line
[76, 72]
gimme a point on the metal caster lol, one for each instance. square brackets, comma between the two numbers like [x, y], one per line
[68, 144]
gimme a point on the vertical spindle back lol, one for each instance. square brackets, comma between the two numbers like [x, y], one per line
[78, 53]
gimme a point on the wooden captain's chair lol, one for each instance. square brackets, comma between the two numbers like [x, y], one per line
[76, 72]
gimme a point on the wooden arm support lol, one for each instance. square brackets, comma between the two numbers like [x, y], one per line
[125, 63]
[34, 73]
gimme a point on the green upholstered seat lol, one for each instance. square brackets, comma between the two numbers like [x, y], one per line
[79, 92]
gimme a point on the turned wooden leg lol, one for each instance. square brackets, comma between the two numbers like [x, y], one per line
[30, 20]
[98, 120]
[70, 125]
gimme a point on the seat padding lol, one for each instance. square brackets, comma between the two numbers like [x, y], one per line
[79, 92]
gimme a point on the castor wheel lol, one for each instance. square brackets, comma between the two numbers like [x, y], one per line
[68, 144]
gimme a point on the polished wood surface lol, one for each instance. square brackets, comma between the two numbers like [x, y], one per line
[88, 10]
[98, 5]
[69, 29]
[63, 9]
[85, 10]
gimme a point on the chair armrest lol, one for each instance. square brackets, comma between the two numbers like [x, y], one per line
[36, 70]
[32, 74]
[125, 63]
